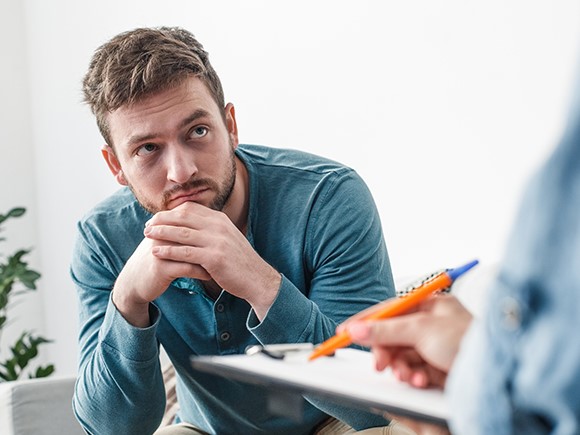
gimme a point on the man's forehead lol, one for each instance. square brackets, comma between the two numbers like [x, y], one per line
[172, 107]
[191, 90]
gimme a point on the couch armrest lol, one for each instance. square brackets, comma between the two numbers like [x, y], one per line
[38, 406]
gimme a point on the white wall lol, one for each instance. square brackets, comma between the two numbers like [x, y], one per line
[444, 107]
[17, 170]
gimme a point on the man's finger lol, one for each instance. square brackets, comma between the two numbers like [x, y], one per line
[397, 331]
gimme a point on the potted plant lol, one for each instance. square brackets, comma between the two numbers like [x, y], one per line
[17, 279]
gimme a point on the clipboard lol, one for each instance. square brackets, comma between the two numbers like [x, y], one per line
[348, 378]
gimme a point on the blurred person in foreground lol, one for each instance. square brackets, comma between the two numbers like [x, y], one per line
[517, 369]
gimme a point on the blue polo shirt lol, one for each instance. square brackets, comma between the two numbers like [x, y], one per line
[312, 219]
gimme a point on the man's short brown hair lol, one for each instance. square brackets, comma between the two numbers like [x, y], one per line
[141, 62]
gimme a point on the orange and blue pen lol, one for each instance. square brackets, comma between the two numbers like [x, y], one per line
[395, 307]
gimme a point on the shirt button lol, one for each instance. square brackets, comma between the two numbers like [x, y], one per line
[511, 313]
[220, 308]
[225, 336]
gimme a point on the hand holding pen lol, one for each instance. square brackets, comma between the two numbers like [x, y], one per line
[419, 346]
[392, 308]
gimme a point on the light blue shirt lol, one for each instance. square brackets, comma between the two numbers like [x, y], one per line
[312, 219]
[518, 370]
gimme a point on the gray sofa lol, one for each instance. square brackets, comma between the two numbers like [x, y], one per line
[44, 406]
[39, 407]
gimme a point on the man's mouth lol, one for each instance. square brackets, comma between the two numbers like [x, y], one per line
[195, 195]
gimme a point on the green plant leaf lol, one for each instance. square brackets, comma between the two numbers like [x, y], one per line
[17, 270]
[28, 278]
[10, 374]
[43, 372]
[16, 275]
[26, 348]
[15, 212]
[4, 290]
[23, 351]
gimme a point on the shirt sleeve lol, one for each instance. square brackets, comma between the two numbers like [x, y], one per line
[120, 386]
[346, 256]
[517, 369]
[350, 271]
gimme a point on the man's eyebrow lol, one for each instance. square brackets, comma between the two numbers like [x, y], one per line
[199, 113]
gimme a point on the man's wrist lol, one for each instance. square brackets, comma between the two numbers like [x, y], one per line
[135, 313]
[271, 286]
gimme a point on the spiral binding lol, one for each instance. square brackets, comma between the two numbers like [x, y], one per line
[416, 284]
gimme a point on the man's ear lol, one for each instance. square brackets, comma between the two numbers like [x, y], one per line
[231, 125]
[113, 164]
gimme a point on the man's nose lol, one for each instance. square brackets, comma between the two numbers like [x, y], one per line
[181, 165]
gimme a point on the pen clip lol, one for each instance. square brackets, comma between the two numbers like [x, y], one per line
[279, 351]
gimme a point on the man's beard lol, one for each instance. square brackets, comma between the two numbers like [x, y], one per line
[223, 191]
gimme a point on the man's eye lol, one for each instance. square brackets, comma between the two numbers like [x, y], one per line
[198, 132]
[148, 148]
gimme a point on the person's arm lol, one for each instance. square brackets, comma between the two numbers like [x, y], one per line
[345, 254]
[518, 368]
[205, 244]
[419, 346]
[346, 257]
[120, 385]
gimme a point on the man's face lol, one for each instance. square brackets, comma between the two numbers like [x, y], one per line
[174, 147]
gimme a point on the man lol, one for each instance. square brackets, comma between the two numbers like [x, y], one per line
[211, 246]
[516, 370]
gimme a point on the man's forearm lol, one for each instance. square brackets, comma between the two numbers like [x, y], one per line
[107, 401]
[120, 384]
